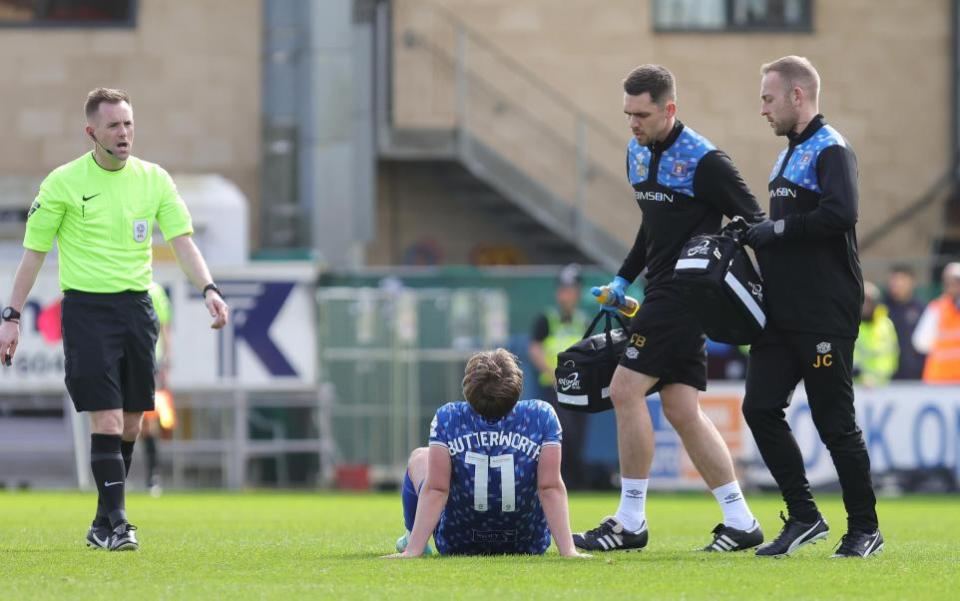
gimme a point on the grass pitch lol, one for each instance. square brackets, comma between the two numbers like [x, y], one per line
[293, 546]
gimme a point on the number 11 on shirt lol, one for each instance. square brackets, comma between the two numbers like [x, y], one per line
[483, 463]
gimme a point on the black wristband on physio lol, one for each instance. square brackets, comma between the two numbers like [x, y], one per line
[211, 286]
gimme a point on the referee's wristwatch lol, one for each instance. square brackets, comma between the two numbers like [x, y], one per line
[209, 287]
[10, 314]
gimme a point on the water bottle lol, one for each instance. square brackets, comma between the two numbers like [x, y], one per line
[628, 308]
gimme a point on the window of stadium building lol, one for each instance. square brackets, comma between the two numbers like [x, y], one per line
[67, 13]
[732, 15]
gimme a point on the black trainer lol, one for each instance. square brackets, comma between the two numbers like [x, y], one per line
[123, 538]
[727, 539]
[611, 536]
[98, 537]
[794, 535]
[857, 543]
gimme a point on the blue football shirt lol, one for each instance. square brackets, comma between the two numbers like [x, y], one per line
[493, 505]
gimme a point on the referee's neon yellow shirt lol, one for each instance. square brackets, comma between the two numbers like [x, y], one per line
[103, 222]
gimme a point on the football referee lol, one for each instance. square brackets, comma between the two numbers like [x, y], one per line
[101, 208]
[808, 255]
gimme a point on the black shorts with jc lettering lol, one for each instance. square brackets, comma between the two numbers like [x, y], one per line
[667, 341]
[109, 341]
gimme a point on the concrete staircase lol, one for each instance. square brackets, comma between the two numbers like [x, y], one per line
[524, 145]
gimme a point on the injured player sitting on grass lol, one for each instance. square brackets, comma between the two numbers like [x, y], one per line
[489, 483]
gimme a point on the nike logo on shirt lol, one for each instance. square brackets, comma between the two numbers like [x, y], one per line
[86, 198]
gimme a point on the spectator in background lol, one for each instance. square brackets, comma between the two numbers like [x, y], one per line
[876, 352]
[554, 331]
[905, 310]
[938, 332]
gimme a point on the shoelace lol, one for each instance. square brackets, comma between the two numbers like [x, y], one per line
[845, 544]
[128, 528]
[601, 529]
[786, 524]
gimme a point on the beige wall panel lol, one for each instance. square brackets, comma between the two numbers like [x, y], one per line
[192, 68]
[885, 69]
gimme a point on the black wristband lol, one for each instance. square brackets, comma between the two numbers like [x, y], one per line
[211, 286]
[10, 314]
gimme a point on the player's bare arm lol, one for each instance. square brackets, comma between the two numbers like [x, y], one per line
[553, 498]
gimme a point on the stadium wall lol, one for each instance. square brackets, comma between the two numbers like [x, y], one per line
[192, 69]
[885, 69]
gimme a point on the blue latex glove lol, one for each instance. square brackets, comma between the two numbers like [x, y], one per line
[617, 295]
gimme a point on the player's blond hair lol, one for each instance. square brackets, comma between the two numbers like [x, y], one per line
[492, 383]
[98, 96]
[796, 71]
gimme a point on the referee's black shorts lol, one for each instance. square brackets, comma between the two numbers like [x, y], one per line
[109, 341]
[667, 341]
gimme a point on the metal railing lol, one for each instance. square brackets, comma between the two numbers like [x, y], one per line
[391, 357]
[446, 77]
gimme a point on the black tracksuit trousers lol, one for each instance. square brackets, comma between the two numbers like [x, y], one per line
[778, 361]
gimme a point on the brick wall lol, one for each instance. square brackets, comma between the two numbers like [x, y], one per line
[191, 68]
[885, 68]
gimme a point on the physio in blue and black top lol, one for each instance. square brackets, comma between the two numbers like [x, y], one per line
[684, 186]
[813, 197]
[807, 252]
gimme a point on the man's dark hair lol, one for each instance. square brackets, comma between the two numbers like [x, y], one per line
[492, 383]
[658, 81]
[98, 96]
[904, 269]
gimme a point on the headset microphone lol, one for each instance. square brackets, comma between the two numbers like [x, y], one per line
[97, 142]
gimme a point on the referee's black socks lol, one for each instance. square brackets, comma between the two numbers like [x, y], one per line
[126, 450]
[109, 473]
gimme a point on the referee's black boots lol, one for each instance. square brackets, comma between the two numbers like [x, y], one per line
[123, 538]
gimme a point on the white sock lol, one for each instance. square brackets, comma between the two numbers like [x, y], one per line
[736, 514]
[632, 512]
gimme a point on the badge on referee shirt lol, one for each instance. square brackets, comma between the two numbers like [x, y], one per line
[140, 230]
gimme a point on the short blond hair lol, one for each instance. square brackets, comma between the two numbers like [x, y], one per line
[492, 383]
[98, 96]
[797, 71]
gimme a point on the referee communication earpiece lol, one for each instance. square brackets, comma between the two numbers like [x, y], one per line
[97, 142]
